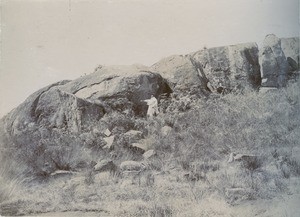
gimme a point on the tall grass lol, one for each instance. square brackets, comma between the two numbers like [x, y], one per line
[248, 123]
[11, 179]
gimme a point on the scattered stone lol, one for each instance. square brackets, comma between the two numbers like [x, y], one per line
[105, 165]
[241, 157]
[133, 135]
[61, 173]
[131, 166]
[107, 132]
[148, 154]
[109, 141]
[141, 146]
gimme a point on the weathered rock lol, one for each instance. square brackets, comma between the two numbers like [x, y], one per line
[56, 118]
[148, 154]
[45, 129]
[251, 162]
[109, 141]
[140, 146]
[107, 132]
[229, 67]
[105, 165]
[133, 135]
[241, 157]
[274, 65]
[62, 173]
[180, 72]
[128, 166]
[290, 47]
[119, 88]
[143, 144]
[22, 118]
[59, 109]
[218, 69]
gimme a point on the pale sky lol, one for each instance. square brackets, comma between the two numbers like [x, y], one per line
[44, 41]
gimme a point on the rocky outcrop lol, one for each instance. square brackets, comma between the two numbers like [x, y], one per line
[119, 87]
[23, 118]
[55, 126]
[229, 67]
[58, 109]
[66, 116]
[274, 65]
[219, 69]
[290, 47]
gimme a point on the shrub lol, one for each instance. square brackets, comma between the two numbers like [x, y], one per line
[116, 120]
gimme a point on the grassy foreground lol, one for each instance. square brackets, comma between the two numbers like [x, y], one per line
[190, 175]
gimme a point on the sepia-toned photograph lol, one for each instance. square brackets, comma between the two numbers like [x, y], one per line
[150, 108]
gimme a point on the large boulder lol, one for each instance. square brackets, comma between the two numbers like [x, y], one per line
[274, 65]
[54, 128]
[218, 69]
[45, 131]
[119, 87]
[229, 67]
[290, 47]
[180, 72]
[59, 109]
[23, 118]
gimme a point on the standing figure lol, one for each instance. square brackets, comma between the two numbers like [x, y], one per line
[153, 106]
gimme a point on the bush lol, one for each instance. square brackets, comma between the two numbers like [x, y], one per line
[118, 121]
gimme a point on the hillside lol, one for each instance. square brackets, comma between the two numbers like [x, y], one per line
[227, 134]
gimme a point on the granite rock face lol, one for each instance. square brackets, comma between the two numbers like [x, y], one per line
[290, 47]
[229, 67]
[180, 71]
[119, 87]
[274, 65]
[53, 126]
[219, 69]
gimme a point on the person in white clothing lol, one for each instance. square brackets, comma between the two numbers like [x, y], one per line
[153, 106]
